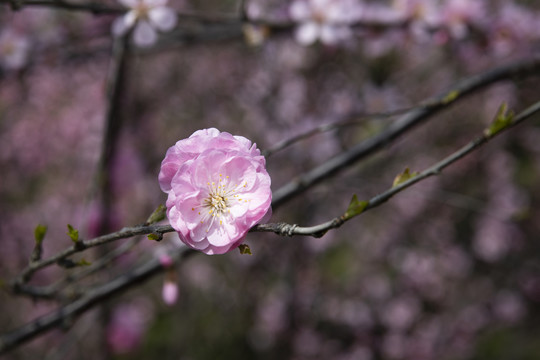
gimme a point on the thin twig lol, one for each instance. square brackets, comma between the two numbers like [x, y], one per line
[319, 230]
[462, 89]
[347, 120]
[93, 297]
[53, 291]
[124, 233]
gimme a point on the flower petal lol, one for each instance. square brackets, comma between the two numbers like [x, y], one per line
[144, 34]
[307, 33]
[163, 18]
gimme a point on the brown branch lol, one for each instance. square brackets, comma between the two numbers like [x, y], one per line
[124, 233]
[285, 229]
[93, 297]
[462, 89]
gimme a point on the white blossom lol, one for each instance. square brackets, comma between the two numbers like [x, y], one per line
[145, 17]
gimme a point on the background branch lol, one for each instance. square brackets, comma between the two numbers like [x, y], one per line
[463, 88]
[93, 297]
[319, 230]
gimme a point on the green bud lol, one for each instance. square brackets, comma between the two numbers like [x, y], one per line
[157, 215]
[503, 119]
[404, 176]
[73, 233]
[244, 249]
[39, 233]
[355, 208]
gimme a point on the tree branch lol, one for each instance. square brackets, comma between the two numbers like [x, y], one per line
[124, 233]
[285, 229]
[341, 161]
[92, 298]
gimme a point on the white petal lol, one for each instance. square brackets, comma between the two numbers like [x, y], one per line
[163, 18]
[154, 3]
[307, 33]
[130, 18]
[217, 236]
[119, 26]
[144, 34]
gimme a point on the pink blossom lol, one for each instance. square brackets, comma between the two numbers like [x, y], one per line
[425, 11]
[217, 187]
[513, 29]
[13, 50]
[458, 15]
[165, 260]
[325, 20]
[169, 292]
[128, 326]
[145, 17]
[422, 14]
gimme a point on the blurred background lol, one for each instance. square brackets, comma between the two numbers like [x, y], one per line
[449, 269]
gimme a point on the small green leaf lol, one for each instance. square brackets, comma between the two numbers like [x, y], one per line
[73, 233]
[244, 249]
[404, 176]
[83, 262]
[355, 207]
[154, 236]
[451, 96]
[157, 215]
[39, 233]
[503, 119]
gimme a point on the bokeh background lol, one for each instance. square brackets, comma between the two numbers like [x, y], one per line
[449, 269]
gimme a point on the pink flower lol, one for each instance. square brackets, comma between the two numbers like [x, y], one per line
[145, 17]
[169, 292]
[217, 187]
[325, 20]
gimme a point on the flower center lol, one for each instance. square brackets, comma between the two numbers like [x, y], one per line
[141, 11]
[221, 196]
[217, 202]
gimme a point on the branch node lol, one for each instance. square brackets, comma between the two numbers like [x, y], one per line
[285, 229]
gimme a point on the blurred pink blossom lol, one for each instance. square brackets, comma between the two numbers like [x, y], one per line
[145, 17]
[13, 50]
[128, 326]
[421, 14]
[401, 312]
[217, 187]
[509, 306]
[326, 20]
[513, 29]
[165, 260]
[459, 15]
[169, 292]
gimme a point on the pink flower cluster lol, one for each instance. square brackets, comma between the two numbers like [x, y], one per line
[325, 20]
[217, 187]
